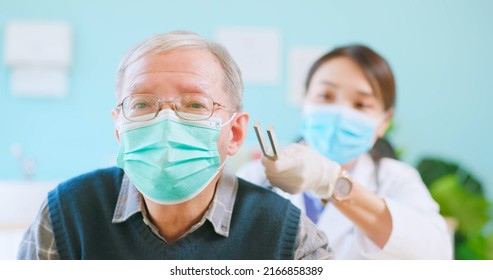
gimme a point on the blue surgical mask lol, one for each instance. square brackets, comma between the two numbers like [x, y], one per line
[170, 160]
[337, 132]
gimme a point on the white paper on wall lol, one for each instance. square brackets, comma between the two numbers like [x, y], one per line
[38, 43]
[255, 50]
[300, 61]
[39, 55]
[36, 81]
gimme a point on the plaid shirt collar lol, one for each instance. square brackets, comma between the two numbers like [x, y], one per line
[130, 202]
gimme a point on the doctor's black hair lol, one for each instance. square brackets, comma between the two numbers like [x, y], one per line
[374, 66]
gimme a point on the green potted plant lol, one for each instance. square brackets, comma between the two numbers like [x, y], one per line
[461, 196]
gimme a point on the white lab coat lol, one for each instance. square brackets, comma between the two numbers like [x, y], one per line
[418, 230]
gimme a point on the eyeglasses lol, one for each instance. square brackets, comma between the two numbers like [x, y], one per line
[189, 106]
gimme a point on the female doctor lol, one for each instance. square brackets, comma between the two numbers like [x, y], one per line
[368, 206]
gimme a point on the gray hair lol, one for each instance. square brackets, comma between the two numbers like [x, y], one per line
[161, 43]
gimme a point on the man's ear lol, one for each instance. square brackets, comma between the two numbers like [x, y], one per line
[115, 113]
[239, 129]
[382, 127]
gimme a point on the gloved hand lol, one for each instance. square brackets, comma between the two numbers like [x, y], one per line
[299, 169]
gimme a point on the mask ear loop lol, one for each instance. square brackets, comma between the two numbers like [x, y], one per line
[223, 125]
[230, 119]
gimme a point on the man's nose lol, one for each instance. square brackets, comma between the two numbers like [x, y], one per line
[167, 104]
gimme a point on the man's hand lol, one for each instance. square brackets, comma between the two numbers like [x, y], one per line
[299, 169]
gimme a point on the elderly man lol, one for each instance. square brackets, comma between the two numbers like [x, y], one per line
[179, 116]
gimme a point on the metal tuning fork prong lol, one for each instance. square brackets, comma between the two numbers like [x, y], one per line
[268, 153]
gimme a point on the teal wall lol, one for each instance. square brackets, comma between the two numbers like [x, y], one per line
[441, 52]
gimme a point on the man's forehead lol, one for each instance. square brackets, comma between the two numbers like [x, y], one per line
[186, 71]
[141, 83]
[196, 61]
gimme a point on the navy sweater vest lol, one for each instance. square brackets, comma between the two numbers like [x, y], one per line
[263, 225]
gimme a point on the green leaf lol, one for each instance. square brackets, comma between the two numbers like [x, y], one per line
[432, 169]
[478, 247]
[470, 209]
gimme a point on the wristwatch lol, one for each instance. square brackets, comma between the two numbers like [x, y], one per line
[343, 186]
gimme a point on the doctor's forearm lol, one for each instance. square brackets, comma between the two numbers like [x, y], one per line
[369, 213]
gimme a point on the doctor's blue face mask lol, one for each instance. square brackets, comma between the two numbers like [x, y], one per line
[169, 159]
[338, 132]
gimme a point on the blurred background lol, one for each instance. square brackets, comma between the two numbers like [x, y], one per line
[59, 59]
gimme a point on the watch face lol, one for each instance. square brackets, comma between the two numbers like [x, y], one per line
[342, 188]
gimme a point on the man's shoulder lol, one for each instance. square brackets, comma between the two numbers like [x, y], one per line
[93, 179]
[85, 192]
[262, 197]
[258, 190]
